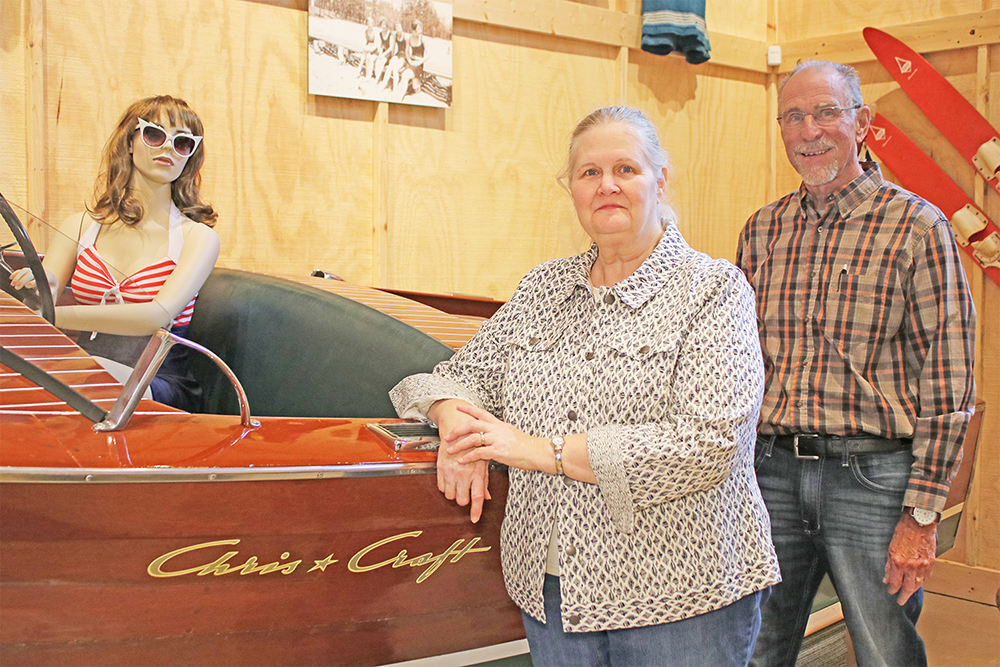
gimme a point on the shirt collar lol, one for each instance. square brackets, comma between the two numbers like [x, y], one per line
[851, 195]
[642, 284]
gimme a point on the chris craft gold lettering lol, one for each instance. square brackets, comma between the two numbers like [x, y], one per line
[456, 550]
[219, 567]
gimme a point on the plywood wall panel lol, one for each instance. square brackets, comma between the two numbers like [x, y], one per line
[475, 203]
[289, 174]
[13, 101]
[983, 539]
[802, 20]
[742, 18]
[712, 121]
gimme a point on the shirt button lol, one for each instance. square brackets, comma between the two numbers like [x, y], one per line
[820, 228]
[532, 341]
[574, 620]
[588, 356]
[571, 415]
[609, 298]
[571, 550]
[644, 349]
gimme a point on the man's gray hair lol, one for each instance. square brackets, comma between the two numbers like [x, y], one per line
[852, 84]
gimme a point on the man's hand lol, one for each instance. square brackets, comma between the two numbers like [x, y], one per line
[911, 557]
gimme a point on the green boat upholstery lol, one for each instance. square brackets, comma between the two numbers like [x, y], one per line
[301, 352]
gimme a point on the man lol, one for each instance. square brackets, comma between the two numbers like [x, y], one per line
[867, 328]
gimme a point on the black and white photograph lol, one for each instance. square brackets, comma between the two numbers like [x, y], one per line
[381, 50]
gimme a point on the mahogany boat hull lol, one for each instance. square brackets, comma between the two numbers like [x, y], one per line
[207, 539]
[342, 571]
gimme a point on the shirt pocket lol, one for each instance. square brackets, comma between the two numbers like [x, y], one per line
[538, 369]
[640, 366]
[862, 314]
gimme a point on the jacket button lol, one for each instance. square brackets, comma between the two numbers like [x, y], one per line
[532, 341]
[609, 298]
[571, 415]
[644, 349]
[574, 620]
[588, 356]
[568, 481]
[571, 550]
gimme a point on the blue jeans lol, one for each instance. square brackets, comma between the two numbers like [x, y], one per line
[836, 515]
[719, 638]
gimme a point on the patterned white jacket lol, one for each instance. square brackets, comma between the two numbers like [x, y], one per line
[663, 372]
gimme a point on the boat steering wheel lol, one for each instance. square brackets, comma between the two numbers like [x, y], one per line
[39, 298]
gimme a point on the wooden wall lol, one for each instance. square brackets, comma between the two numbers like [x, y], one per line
[465, 200]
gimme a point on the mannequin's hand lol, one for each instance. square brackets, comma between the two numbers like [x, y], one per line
[21, 278]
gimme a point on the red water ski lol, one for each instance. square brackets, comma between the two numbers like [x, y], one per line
[958, 121]
[975, 233]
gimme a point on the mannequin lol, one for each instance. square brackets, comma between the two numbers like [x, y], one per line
[136, 260]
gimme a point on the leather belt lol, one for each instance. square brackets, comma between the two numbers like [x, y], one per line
[817, 445]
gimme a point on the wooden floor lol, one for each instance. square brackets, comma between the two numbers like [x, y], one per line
[959, 633]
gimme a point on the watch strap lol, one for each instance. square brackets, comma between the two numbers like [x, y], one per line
[557, 448]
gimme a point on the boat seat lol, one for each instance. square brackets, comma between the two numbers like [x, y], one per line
[301, 352]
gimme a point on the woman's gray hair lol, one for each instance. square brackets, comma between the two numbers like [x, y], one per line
[849, 75]
[647, 138]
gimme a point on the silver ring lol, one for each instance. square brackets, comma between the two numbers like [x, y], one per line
[482, 438]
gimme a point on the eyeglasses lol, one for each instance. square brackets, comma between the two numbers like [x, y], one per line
[822, 116]
[154, 136]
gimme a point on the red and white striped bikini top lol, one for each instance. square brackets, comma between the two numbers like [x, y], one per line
[94, 285]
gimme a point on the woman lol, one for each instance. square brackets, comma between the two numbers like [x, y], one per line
[384, 50]
[413, 71]
[366, 64]
[136, 260]
[397, 59]
[622, 388]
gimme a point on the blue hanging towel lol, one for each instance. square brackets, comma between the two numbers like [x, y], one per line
[675, 25]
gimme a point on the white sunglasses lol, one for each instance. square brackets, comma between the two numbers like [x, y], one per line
[154, 136]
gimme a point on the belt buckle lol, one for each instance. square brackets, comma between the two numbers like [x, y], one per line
[795, 446]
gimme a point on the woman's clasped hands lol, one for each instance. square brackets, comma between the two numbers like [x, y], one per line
[486, 438]
[472, 437]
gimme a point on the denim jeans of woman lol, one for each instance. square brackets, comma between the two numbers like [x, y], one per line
[836, 515]
[720, 638]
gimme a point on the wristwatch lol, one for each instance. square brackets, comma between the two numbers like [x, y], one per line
[557, 447]
[923, 517]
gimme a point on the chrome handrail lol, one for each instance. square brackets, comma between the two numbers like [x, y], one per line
[152, 357]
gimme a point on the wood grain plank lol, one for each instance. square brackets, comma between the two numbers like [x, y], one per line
[940, 34]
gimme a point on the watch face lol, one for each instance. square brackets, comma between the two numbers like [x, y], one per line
[924, 517]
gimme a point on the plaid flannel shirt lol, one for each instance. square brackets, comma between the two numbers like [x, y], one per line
[866, 323]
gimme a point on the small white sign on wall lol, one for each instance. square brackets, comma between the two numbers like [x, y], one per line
[381, 50]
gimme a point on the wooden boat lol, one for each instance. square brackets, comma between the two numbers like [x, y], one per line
[201, 539]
